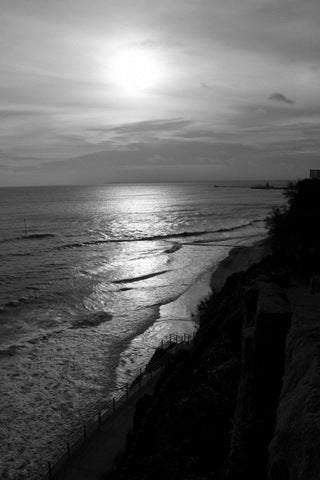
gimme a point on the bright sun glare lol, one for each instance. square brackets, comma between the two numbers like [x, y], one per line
[135, 70]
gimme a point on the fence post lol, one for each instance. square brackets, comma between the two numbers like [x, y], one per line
[84, 432]
[68, 450]
[49, 471]
[100, 419]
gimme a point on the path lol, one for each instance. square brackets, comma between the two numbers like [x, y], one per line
[95, 458]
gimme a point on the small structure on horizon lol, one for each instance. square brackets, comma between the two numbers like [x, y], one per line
[314, 173]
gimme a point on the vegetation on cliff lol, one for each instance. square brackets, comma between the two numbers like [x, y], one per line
[295, 227]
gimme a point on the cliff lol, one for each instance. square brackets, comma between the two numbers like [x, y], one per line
[244, 404]
[294, 452]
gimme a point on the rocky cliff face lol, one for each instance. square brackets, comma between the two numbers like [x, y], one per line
[276, 426]
[294, 452]
[245, 404]
[265, 323]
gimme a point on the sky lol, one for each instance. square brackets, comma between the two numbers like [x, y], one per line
[95, 91]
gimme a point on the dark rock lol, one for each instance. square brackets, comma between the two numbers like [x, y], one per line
[266, 323]
[294, 452]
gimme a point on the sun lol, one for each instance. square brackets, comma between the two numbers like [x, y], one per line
[135, 70]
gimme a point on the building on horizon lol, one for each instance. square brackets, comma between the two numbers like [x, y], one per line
[314, 173]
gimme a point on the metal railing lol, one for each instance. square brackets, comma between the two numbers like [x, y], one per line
[109, 409]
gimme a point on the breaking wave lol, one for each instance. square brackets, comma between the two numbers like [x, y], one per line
[16, 303]
[93, 320]
[142, 277]
[33, 236]
[167, 236]
[174, 248]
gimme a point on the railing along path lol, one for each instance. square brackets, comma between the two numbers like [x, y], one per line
[107, 409]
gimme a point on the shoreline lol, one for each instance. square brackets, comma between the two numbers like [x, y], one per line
[238, 259]
[213, 382]
[62, 377]
[178, 317]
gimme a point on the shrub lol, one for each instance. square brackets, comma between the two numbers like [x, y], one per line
[205, 310]
[295, 228]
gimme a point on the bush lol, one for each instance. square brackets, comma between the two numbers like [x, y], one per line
[295, 228]
[205, 310]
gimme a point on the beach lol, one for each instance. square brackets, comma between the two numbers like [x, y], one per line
[92, 290]
[239, 259]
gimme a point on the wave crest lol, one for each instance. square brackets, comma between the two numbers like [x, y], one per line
[150, 238]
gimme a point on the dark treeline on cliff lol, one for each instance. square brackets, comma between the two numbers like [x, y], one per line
[295, 228]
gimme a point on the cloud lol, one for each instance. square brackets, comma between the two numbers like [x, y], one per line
[279, 97]
[150, 126]
[118, 136]
[175, 159]
[60, 100]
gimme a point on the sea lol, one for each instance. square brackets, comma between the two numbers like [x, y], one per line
[92, 278]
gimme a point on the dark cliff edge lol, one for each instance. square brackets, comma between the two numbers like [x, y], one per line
[244, 403]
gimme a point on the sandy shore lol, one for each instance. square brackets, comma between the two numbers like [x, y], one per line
[239, 259]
